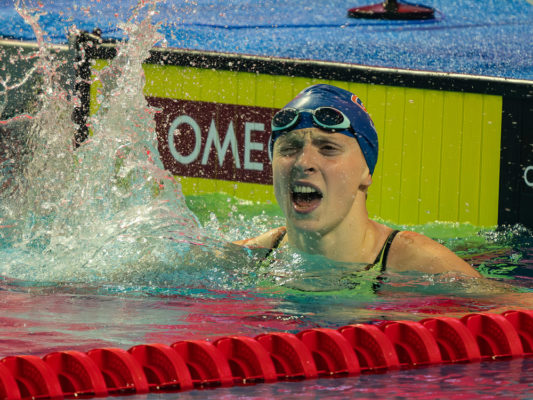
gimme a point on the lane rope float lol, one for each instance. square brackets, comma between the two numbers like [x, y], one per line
[269, 357]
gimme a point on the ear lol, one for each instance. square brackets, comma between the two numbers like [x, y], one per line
[366, 179]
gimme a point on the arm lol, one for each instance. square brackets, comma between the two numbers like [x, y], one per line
[411, 251]
[266, 240]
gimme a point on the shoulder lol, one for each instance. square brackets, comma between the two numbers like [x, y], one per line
[266, 240]
[411, 251]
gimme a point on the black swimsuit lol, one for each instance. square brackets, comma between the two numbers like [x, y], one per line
[381, 260]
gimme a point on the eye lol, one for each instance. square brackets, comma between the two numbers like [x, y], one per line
[287, 148]
[329, 149]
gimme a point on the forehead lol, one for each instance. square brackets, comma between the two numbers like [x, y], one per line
[316, 135]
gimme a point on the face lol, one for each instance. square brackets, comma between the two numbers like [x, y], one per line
[317, 176]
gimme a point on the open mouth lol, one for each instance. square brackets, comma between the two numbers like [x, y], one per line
[305, 198]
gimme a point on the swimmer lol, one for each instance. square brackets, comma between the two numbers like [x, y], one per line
[324, 151]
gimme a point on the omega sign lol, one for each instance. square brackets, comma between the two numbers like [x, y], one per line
[215, 141]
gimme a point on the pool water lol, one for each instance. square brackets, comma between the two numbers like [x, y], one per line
[42, 317]
[509, 379]
[467, 36]
[99, 247]
[51, 316]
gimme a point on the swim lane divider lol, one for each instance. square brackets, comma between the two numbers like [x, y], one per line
[269, 357]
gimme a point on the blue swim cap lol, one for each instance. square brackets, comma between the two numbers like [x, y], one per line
[323, 95]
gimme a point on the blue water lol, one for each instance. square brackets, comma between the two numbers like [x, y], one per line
[467, 36]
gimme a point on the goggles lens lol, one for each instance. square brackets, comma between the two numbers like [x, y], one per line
[323, 117]
[329, 116]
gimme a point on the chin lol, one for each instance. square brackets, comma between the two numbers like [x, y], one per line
[307, 225]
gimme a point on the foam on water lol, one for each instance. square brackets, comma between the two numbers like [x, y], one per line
[108, 207]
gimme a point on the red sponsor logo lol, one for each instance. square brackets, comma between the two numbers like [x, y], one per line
[215, 141]
[359, 102]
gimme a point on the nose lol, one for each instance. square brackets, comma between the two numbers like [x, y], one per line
[306, 159]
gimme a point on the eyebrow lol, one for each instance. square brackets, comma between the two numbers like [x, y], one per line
[288, 138]
[324, 139]
[316, 140]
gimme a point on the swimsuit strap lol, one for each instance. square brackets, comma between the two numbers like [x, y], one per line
[276, 243]
[381, 259]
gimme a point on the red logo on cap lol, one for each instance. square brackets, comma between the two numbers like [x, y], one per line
[358, 101]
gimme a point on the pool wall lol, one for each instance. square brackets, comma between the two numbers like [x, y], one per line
[453, 147]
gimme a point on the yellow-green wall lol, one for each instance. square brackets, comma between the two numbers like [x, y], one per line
[439, 151]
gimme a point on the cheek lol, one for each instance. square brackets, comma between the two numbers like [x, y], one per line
[344, 184]
[279, 177]
[278, 171]
[344, 179]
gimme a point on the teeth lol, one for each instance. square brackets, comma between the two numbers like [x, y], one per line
[303, 189]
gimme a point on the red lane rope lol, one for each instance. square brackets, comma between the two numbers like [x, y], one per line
[269, 357]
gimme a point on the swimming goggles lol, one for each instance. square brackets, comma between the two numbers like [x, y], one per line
[323, 117]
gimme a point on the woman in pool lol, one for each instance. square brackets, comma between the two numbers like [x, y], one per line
[324, 150]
